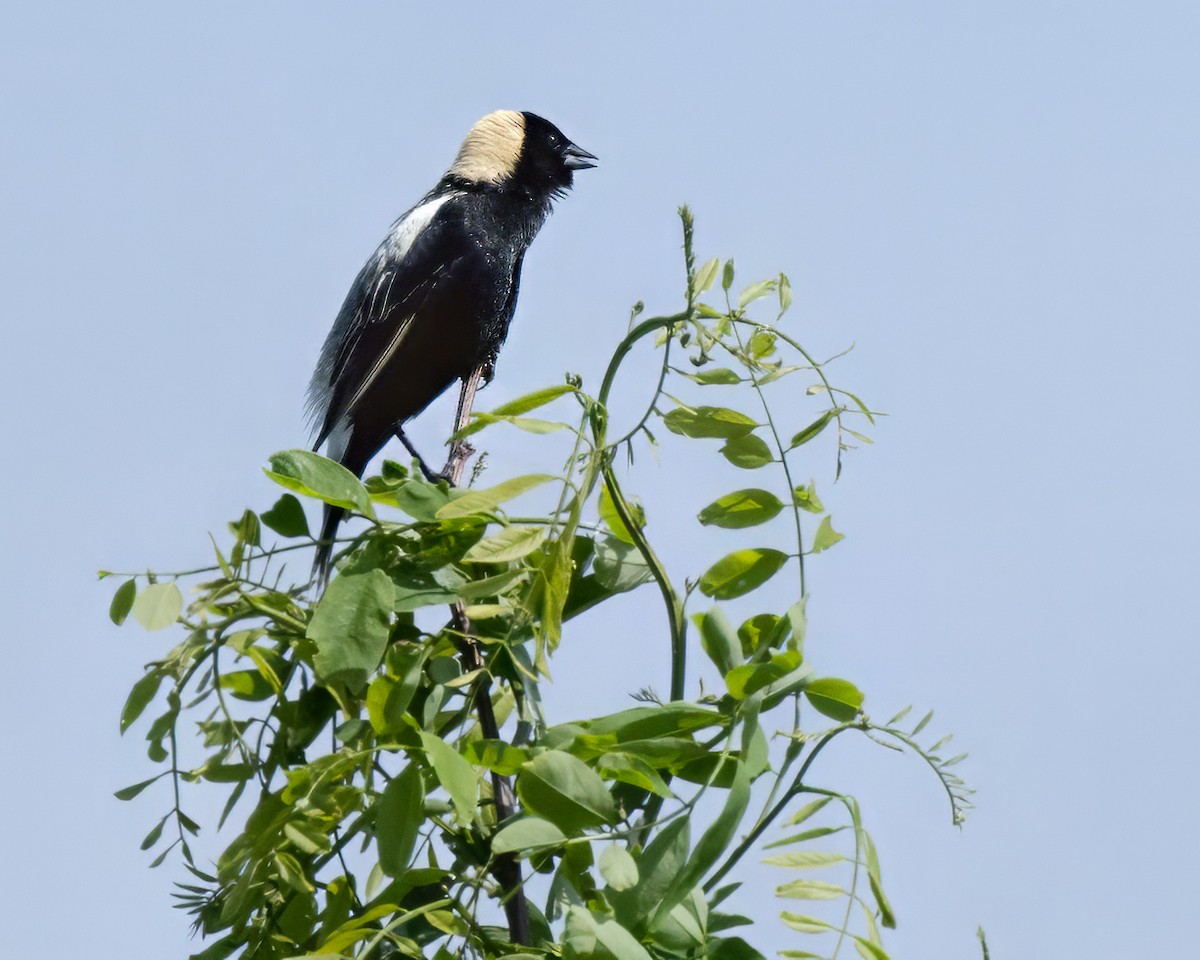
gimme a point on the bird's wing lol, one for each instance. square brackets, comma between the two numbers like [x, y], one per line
[403, 300]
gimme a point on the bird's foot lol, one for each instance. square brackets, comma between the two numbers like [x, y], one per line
[460, 452]
[430, 474]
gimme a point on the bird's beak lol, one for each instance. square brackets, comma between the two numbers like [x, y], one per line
[576, 158]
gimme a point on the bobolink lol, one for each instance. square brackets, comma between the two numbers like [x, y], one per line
[434, 301]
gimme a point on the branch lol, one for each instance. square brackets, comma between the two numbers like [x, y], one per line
[505, 868]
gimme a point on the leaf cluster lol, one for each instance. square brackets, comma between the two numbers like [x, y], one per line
[384, 743]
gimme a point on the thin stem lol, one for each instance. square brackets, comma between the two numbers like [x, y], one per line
[675, 615]
[787, 472]
[505, 868]
[797, 786]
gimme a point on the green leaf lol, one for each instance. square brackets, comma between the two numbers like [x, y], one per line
[785, 294]
[350, 627]
[826, 536]
[756, 291]
[587, 937]
[497, 756]
[741, 571]
[566, 791]
[526, 834]
[805, 859]
[486, 501]
[749, 678]
[634, 770]
[619, 566]
[810, 890]
[704, 276]
[804, 924]
[398, 819]
[806, 498]
[388, 698]
[719, 640]
[455, 774]
[122, 602]
[158, 606]
[685, 927]
[808, 810]
[511, 543]
[658, 865]
[761, 345]
[312, 475]
[797, 616]
[748, 452]
[612, 519]
[839, 699]
[712, 845]
[720, 376]
[812, 429]
[805, 836]
[531, 401]
[757, 631]
[128, 793]
[618, 868]
[727, 275]
[421, 500]
[742, 508]
[287, 517]
[718, 422]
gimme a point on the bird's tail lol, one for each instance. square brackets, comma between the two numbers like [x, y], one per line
[329, 524]
[354, 457]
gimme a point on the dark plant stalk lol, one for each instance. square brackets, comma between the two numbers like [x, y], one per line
[505, 868]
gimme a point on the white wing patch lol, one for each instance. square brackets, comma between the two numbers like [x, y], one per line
[409, 227]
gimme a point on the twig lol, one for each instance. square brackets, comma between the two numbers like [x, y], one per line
[505, 868]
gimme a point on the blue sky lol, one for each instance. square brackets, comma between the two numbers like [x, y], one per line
[996, 203]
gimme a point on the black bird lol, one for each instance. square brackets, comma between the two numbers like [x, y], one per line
[435, 299]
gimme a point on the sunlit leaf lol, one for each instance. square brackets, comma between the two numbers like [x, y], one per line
[839, 699]
[810, 890]
[812, 429]
[718, 639]
[742, 508]
[741, 571]
[566, 791]
[704, 276]
[612, 519]
[720, 422]
[486, 501]
[616, 866]
[826, 536]
[805, 497]
[761, 345]
[531, 401]
[710, 376]
[525, 834]
[748, 452]
[158, 606]
[312, 475]
[749, 678]
[756, 291]
[511, 543]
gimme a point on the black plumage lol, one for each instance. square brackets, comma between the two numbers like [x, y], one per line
[435, 299]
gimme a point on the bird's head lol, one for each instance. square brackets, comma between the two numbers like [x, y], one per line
[522, 151]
